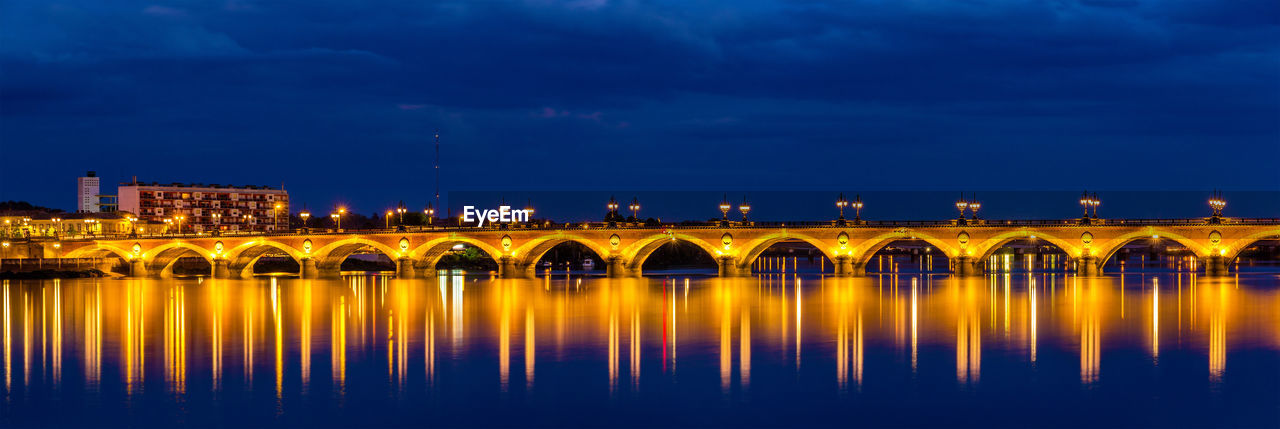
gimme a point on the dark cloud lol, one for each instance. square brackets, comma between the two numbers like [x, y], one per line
[338, 99]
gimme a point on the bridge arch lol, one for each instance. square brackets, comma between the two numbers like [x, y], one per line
[430, 253]
[863, 252]
[160, 259]
[754, 248]
[636, 253]
[1110, 247]
[1238, 245]
[240, 259]
[99, 250]
[989, 246]
[532, 251]
[330, 256]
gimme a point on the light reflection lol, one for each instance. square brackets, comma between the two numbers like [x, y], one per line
[42, 320]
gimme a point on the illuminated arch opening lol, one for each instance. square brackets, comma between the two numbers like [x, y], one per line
[789, 256]
[262, 258]
[908, 255]
[673, 256]
[113, 260]
[569, 255]
[1028, 254]
[179, 260]
[1151, 254]
[465, 257]
[1262, 256]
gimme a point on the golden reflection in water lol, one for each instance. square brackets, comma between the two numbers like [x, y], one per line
[504, 335]
[8, 343]
[766, 311]
[215, 335]
[530, 348]
[1090, 335]
[277, 320]
[249, 304]
[1155, 319]
[915, 321]
[1218, 333]
[135, 335]
[338, 343]
[968, 333]
[726, 348]
[175, 336]
[1032, 290]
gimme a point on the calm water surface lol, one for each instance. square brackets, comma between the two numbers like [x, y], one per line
[1007, 350]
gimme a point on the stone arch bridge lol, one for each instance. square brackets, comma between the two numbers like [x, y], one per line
[735, 247]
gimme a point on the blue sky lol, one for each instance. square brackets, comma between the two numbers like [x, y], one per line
[338, 100]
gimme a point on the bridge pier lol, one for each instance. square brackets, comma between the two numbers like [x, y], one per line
[729, 267]
[308, 269]
[511, 268]
[966, 266]
[221, 269]
[617, 268]
[137, 268]
[404, 268]
[1215, 266]
[1087, 266]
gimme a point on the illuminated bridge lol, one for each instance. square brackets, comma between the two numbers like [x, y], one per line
[735, 246]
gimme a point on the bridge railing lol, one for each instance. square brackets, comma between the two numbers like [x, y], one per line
[689, 225]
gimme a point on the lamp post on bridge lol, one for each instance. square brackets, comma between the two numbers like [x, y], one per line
[612, 217]
[400, 209]
[1095, 202]
[217, 223]
[528, 208]
[635, 209]
[304, 215]
[744, 208]
[961, 205]
[724, 211]
[841, 203]
[974, 205]
[1216, 204]
[431, 214]
[857, 209]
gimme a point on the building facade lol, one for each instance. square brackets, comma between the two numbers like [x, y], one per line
[201, 208]
[87, 191]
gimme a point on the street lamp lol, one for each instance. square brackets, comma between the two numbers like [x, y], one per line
[635, 208]
[528, 208]
[724, 207]
[744, 208]
[1095, 202]
[247, 220]
[974, 205]
[304, 215]
[57, 227]
[217, 223]
[961, 205]
[841, 203]
[430, 212]
[400, 209]
[132, 221]
[1086, 202]
[612, 206]
[857, 207]
[1216, 203]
